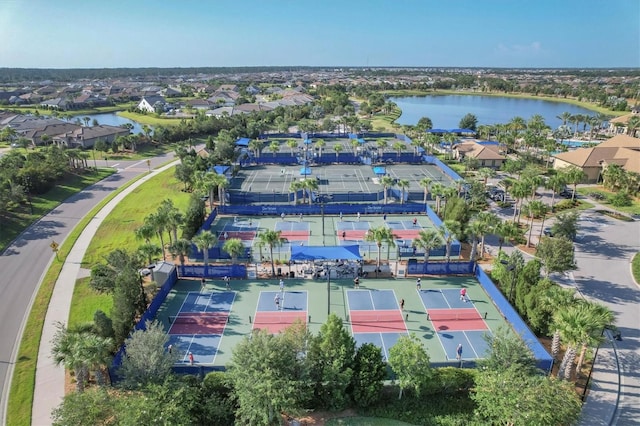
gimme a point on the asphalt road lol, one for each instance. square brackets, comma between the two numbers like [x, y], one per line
[25, 261]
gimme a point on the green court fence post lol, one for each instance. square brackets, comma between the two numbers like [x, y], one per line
[249, 319]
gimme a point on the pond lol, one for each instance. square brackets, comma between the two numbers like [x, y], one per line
[110, 119]
[445, 111]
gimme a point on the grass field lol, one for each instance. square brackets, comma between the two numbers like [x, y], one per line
[20, 220]
[635, 267]
[633, 209]
[117, 230]
[151, 120]
[86, 301]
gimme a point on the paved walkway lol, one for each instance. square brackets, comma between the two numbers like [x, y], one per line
[50, 379]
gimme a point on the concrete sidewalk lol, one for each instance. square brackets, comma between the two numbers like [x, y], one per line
[50, 379]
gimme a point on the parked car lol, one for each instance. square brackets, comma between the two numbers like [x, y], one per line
[548, 231]
[566, 193]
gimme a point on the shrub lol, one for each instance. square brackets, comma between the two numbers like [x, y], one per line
[565, 205]
[620, 199]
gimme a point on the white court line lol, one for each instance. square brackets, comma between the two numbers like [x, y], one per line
[384, 348]
[223, 329]
[185, 357]
[470, 344]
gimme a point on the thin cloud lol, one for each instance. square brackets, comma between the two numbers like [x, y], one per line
[532, 48]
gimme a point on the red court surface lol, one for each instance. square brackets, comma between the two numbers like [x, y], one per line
[295, 235]
[352, 234]
[406, 234]
[456, 319]
[243, 235]
[275, 322]
[194, 323]
[377, 321]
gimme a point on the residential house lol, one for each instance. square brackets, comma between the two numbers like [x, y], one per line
[199, 104]
[150, 103]
[86, 137]
[47, 132]
[621, 149]
[252, 90]
[228, 88]
[619, 124]
[486, 153]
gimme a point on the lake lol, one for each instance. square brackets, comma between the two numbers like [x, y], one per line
[446, 111]
[110, 119]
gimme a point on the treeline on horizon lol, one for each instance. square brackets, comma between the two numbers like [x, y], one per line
[14, 75]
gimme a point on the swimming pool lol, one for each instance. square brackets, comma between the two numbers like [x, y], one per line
[577, 144]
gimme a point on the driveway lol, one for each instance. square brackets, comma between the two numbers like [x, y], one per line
[25, 261]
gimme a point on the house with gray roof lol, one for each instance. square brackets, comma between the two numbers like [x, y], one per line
[86, 137]
[149, 103]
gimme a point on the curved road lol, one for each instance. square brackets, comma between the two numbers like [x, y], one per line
[25, 261]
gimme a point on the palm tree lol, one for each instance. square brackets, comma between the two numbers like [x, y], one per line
[97, 351]
[425, 183]
[485, 173]
[270, 238]
[386, 182]
[382, 145]
[204, 241]
[533, 209]
[274, 147]
[555, 183]
[295, 186]
[175, 219]
[516, 124]
[565, 116]
[506, 230]
[180, 248]
[633, 124]
[159, 222]
[398, 146]
[206, 182]
[256, 146]
[475, 229]
[574, 176]
[221, 182]
[148, 251]
[613, 176]
[145, 232]
[320, 143]
[403, 184]
[428, 239]
[489, 222]
[292, 144]
[379, 235]
[310, 185]
[519, 191]
[598, 317]
[450, 230]
[338, 149]
[355, 144]
[437, 189]
[450, 139]
[235, 248]
[568, 325]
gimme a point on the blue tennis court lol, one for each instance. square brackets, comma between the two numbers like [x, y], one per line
[208, 302]
[474, 346]
[402, 224]
[292, 225]
[365, 300]
[289, 301]
[241, 225]
[382, 340]
[352, 225]
[200, 306]
[446, 298]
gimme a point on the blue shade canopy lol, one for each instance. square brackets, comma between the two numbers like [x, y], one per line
[308, 141]
[220, 169]
[243, 142]
[361, 140]
[461, 131]
[305, 171]
[325, 253]
[380, 170]
[437, 131]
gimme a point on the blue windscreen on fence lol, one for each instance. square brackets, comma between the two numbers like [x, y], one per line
[213, 271]
[439, 268]
[544, 360]
[316, 209]
[446, 169]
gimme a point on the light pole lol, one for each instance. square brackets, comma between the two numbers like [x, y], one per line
[512, 278]
[327, 270]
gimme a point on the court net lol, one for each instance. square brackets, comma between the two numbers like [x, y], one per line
[199, 319]
[279, 319]
[369, 318]
[243, 235]
[454, 316]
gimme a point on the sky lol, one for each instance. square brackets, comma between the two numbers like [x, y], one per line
[332, 33]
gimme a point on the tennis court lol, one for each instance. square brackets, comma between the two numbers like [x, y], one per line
[209, 321]
[198, 326]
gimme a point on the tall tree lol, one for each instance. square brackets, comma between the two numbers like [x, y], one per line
[428, 239]
[368, 374]
[204, 241]
[235, 248]
[380, 235]
[331, 358]
[574, 176]
[450, 230]
[181, 249]
[387, 182]
[403, 184]
[425, 183]
[410, 362]
[270, 238]
[556, 254]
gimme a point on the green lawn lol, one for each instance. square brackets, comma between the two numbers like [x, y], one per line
[385, 122]
[86, 301]
[150, 119]
[117, 230]
[29, 109]
[21, 219]
[635, 267]
[634, 208]
[142, 152]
